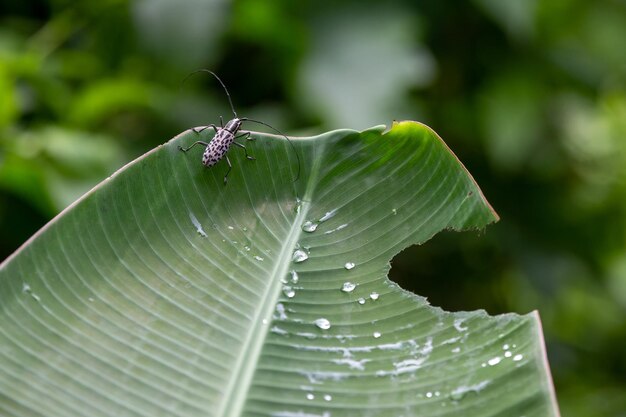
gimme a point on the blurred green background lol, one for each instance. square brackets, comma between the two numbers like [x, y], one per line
[531, 95]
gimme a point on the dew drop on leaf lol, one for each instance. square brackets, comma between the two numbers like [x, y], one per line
[328, 215]
[462, 391]
[309, 226]
[494, 361]
[300, 256]
[289, 291]
[322, 323]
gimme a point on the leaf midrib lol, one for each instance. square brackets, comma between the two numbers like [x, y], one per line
[245, 366]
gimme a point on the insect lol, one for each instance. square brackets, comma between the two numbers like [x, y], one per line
[218, 147]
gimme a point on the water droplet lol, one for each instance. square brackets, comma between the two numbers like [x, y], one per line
[494, 361]
[197, 225]
[280, 309]
[508, 354]
[309, 226]
[91, 299]
[349, 265]
[264, 321]
[343, 226]
[322, 323]
[258, 258]
[394, 211]
[298, 205]
[361, 300]
[279, 331]
[245, 229]
[231, 228]
[518, 357]
[374, 295]
[460, 392]
[27, 290]
[348, 286]
[247, 248]
[299, 256]
[429, 394]
[458, 325]
[328, 397]
[505, 347]
[310, 396]
[456, 396]
[456, 350]
[289, 291]
[294, 277]
[328, 215]
[377, 335]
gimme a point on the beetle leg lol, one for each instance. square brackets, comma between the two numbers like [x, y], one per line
[229, 168]
[192, 145]
[246, 135]
[198, 130]
[245, 150]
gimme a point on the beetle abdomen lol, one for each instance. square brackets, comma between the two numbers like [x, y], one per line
[218, 146]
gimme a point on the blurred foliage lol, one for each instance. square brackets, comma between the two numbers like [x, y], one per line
[530, 95]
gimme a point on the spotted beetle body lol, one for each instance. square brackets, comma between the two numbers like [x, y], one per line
[217, 148]
[221, 142]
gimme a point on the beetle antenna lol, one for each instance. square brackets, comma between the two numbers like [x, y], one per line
[220, 81]
[283, 135]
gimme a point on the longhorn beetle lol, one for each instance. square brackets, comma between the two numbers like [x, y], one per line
[218, 146]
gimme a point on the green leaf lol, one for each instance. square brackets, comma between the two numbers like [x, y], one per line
[163, 292]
